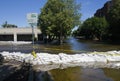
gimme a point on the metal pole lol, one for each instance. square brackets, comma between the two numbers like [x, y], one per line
[32, 36]
[33, 52]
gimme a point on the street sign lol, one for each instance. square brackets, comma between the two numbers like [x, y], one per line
[32, 18]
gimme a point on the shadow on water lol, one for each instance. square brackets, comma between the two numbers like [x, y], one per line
[42, 76]
[17, 75]
[5, 71]
[12, 73]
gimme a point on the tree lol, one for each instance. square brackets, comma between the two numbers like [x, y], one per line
[6, 25]
[114, 20]
[75, 33]
[58, 17]
[94, 28]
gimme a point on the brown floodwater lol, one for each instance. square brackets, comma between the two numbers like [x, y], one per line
[85, 74]
[71, 46]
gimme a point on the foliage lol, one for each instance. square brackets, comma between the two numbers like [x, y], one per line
[75, 33]
[114, 20]
[94, 28]
[6, 25]
[58, 17]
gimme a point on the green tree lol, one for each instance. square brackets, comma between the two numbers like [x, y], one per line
[94, 28]
[75, 33]
[6, 25]
[114, 20]
[58, 17]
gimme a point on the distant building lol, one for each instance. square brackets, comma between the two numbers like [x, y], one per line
[19, 34]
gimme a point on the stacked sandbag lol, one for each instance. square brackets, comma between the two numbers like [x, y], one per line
[62, 58]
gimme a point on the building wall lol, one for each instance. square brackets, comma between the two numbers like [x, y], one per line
[18, 34]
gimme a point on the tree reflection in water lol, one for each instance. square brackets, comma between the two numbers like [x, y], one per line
[69, 74]
[85, 74]
[42, 76]
[114, 74]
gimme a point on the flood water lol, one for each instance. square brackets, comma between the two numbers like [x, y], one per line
[85, 74]
[71, 46]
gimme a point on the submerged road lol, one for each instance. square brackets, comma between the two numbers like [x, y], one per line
[70, 46]
[14, 71]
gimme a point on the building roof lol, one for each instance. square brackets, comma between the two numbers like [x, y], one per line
[19, 30]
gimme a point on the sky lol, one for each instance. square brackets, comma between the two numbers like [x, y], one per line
[15, 11]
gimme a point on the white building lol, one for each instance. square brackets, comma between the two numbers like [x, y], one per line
[19, 34]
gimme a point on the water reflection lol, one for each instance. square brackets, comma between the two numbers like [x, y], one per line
[90, 46]
[112, 73]
[77, 45]
[85, 65]
[78, 72]
[42, 76]
[85, 74]
[71, 46]
[69, 74]
[89, 74]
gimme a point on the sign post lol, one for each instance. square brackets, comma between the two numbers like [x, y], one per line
[32, 19]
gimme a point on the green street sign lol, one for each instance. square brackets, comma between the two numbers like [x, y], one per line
[32, 18]
[33, 15]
